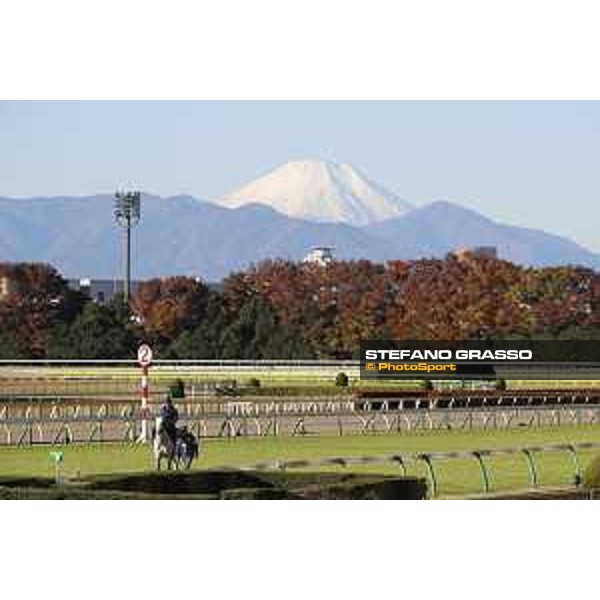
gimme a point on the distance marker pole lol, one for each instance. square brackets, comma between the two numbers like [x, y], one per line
[144, 358]
[145, 411]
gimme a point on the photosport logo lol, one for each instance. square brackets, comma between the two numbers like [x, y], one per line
[480, 359]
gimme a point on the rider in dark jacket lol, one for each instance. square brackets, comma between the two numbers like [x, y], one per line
[170, 416]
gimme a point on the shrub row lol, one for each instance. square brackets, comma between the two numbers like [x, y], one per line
[223, 484]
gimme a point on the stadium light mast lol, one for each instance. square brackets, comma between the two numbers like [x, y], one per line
[127, 215]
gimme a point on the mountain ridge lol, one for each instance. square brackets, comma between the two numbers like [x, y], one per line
[187, 236]
[454, 226]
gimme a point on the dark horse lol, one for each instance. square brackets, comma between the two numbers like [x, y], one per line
[180, 454]
[186, 448]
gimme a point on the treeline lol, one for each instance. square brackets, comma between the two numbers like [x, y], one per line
[280, 309]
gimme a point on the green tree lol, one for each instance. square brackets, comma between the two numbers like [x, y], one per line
[9, 347]
[96, 333]
[203, 341]
[257, 333]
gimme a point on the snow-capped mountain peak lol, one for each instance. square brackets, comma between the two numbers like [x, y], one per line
[321, 191]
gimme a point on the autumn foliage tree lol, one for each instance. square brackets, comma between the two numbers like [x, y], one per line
[459, 297]
[167, 307]
[37, 299]
[284, 309]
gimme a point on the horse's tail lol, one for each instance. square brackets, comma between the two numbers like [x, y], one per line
[195, 447]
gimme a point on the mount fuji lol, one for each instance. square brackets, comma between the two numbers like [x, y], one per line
[320, 191]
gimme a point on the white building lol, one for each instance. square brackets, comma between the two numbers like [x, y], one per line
[5, 286]
[101, 291]
[320, 255]
[490, 252]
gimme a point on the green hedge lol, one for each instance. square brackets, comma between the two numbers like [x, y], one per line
[259, 493]
[591, 476]
[299, 390]
[177, 389]
[67, 492]
[404, 488]
[341, 379]
[226, 484]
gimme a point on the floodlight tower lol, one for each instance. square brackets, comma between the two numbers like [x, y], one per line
[127, 215]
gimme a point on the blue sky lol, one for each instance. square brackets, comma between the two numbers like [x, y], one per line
[534, 164]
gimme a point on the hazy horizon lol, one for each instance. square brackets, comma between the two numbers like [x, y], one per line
[531, 164]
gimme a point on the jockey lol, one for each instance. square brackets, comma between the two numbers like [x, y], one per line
[169, 415]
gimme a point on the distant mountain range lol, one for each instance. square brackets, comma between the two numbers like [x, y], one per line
[183, 235]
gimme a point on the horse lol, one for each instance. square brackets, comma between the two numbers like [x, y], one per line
[186, 448]
[179, 454]
[163, 445]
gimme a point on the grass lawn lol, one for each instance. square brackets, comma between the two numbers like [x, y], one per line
[455, 477]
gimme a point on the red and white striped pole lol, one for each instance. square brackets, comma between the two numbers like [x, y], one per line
[145, 395]
[145, 360]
